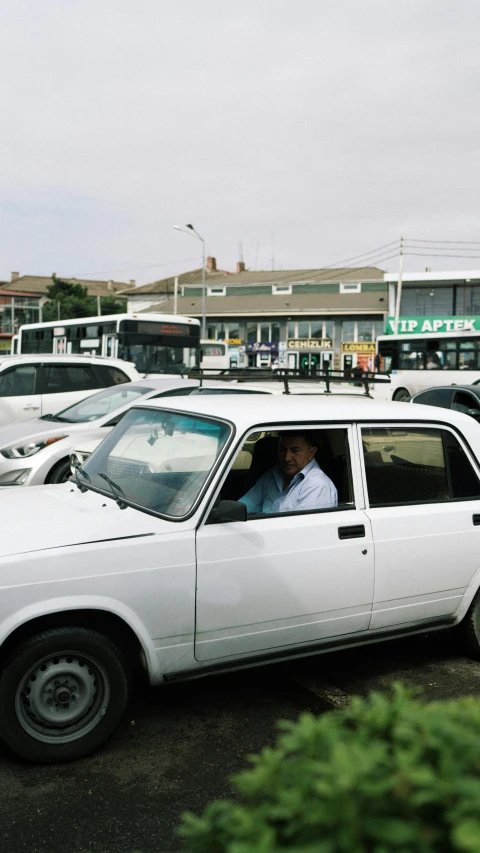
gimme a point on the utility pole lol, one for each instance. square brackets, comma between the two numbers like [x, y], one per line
[58, 309]
[399, 286]
[175, 294]
[99, 306]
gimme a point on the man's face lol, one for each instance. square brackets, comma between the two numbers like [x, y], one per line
[293, 454]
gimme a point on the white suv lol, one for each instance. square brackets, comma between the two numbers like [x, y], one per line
[36, 385]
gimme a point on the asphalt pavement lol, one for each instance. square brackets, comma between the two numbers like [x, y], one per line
[179, 746]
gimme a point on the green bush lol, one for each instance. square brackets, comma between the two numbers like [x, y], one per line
[389, 773]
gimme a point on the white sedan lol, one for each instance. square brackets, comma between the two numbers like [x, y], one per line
[154, 562]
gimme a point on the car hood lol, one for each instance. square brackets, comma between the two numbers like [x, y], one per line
[45, 517]
[35, 430]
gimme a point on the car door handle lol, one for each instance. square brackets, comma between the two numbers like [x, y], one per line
[476, 520]
[354, 531]
[30, 408]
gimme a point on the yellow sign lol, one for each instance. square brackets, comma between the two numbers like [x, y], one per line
[234, 342]
[363, 346]
[310, 343]
[5, 344]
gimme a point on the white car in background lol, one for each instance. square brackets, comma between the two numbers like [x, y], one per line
[36, 385]
[38, 451]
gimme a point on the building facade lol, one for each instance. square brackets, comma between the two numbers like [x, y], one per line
[434, 301]
[296, 318]
[16, 308]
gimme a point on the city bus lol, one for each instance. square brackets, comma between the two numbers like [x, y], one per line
[156, 343]
[416, 362]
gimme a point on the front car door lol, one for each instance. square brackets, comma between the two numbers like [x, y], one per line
[19, 398]
[287, 580]
[423, 490]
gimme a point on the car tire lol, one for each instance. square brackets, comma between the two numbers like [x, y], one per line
[61, 472]
[63, 693]
[401, 395]
[470, 629]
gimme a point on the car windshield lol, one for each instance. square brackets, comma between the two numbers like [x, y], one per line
[104, 403]
[157, 460]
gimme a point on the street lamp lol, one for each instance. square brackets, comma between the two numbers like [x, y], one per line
[191, 230]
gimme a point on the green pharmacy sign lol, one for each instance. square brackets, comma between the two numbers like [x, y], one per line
[421, 325]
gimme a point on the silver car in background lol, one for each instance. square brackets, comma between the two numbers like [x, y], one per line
[38, 451]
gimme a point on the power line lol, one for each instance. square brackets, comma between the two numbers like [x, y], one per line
[452, 242]
[432, 255]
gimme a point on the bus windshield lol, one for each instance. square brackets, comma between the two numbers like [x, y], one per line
[159, 347]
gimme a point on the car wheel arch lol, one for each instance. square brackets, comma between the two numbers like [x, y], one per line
[106, 622]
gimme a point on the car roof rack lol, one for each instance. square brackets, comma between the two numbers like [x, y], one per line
[363, 379]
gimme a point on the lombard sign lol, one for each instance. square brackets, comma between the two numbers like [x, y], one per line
[420, 325]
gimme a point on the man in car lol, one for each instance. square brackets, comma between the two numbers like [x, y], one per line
[297, 483]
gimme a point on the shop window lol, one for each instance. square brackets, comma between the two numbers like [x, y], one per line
[251, 333]
[265, 333]
[348, 330]
[291, 329]
[275, 333]
[303, 329]
[316, 329]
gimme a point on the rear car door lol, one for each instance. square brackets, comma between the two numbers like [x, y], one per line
[61, 385]
[423, 490]
[19, 398]
[285, 580]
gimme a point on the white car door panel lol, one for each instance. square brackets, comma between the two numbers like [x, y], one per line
[425, 557]
[280, 581]
[427, 542]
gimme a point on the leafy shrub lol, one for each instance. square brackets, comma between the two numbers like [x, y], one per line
[389, 773]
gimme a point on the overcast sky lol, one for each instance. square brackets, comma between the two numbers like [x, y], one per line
[334, 126]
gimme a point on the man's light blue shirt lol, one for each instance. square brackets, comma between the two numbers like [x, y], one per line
[309, 489]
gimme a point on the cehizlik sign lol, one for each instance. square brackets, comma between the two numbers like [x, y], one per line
[310, 343]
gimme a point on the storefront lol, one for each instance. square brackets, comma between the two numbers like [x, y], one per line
[358, 354]
[262, 353]
[310, 353]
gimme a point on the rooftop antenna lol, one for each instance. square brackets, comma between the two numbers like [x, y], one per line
[273, 250]
[240, 252]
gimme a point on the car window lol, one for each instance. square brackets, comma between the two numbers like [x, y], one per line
[18, 381]
[259, 479]
[114, 376]
[435, 397]
[157, 460]
[60, 378]
[98, 405]
[463, 401]
[416, 465]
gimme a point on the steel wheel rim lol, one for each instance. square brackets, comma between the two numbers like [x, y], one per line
[62, 697]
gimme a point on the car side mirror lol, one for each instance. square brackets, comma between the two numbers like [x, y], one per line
[228, 511]
[475, 413]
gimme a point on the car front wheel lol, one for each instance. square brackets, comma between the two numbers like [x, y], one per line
[470, 629]
[61, 472]
[62, 694]
[401, 395]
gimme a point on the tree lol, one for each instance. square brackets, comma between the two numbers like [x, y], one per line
[66, 301]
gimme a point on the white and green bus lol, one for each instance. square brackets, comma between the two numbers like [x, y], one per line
[156, 343]
[419, 361]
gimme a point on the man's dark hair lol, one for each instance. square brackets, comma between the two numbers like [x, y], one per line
[307, 434]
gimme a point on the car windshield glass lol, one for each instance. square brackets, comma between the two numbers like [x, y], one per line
[103, 403]
[158, 460]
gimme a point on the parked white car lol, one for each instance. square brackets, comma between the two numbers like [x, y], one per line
[150, 563]
[35, 385]
[38, 451]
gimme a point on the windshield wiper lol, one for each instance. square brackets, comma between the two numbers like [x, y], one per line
[116, 491]
[54, 418]
[78, 483]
